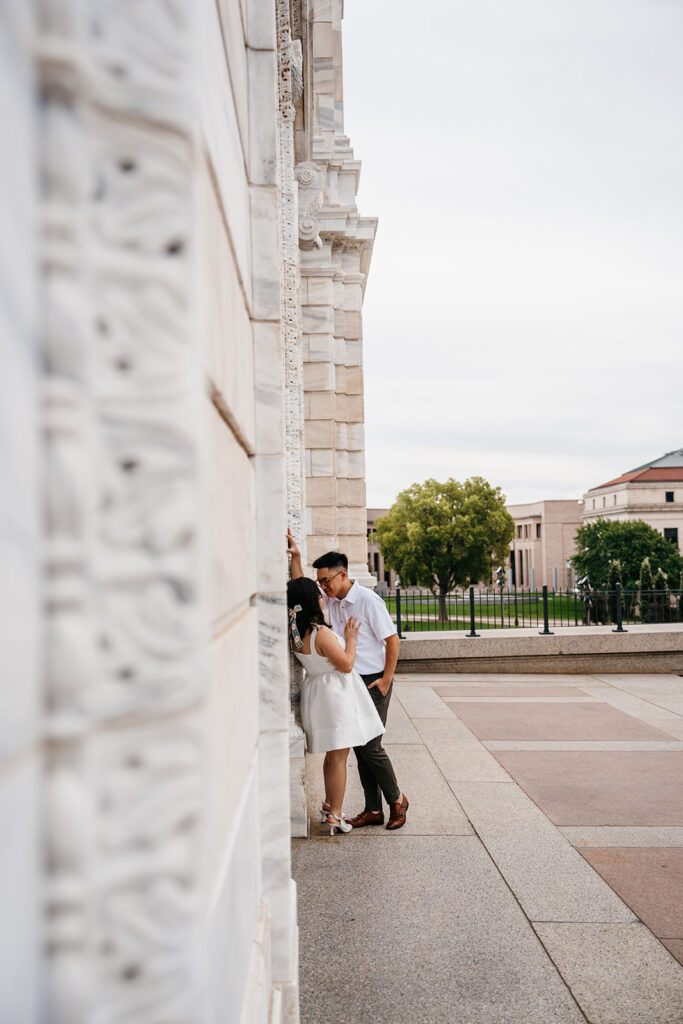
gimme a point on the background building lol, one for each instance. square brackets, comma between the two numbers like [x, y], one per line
[653, 493]
[544, 542]
[178, 202]
[385, 577]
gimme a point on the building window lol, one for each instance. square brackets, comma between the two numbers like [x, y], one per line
[604, 501]
[615, 499]
[593, 502]
[376, 560]
[671, 533]
[669, 495]
[538, 530]
[521, 569]
[519, 531]
[526, 530]
[513, 566]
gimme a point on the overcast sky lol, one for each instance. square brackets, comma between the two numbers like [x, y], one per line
[523, 318]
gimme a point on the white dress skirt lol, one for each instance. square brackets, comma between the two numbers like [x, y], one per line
[336, 709]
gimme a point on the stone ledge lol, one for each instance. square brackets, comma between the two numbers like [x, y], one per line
[641, 649]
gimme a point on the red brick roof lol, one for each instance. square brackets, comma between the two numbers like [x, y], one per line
[661, 474]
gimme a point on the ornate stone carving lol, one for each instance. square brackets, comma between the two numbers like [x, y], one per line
[311, 179]
[285, 56]
[122, 457]
[288, 69]
[295, 18]
[297, 70]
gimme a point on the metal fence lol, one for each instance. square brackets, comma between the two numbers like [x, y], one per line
[415, 610]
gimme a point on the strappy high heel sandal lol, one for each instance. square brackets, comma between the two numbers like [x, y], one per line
[337, 823]
[324, 811]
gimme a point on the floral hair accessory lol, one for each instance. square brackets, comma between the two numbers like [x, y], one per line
[296, 638]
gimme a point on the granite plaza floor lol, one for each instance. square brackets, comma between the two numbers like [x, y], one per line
[539, 877]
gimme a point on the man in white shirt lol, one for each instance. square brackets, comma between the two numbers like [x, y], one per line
[376, 656]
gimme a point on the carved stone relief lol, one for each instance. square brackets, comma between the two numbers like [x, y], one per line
[290, 78]
[311, 179]
[124, 603]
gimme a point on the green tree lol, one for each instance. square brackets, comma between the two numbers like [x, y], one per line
[608, 540]
[613, 577]
[443, 535]
[646, 586]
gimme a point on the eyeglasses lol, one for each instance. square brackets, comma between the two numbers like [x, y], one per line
[325, 581]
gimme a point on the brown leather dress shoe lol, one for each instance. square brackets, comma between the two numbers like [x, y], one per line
[366, 818]
[397, 818]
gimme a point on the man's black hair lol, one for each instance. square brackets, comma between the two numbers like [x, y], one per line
[332, 560]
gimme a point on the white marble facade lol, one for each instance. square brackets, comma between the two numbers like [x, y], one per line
[182, 379]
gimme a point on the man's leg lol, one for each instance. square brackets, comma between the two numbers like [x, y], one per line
[373, 794]
[374, 764]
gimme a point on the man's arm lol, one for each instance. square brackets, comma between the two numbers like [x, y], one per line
[296, 568]
[390, 659]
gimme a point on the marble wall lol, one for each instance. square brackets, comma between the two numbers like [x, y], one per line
[251, 919]
[182, 275]
[21, 628]
[146, 724]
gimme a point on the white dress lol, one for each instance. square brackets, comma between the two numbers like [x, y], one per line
[336, 709]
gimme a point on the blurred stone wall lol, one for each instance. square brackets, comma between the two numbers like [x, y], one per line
[157, 436]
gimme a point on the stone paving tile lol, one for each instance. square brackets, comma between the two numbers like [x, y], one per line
[674, 704]
[645, 685]
[420, 931]
[616, 835]
[458, 753]
[619, 974]
[649, 881]
[601, 788]
[434, 679]
[674, 727]
[635, 706]
[549, 878]
[399, 727]
[578, 699]
[421, 702]
[666, 744]
[675, 947]
[433, 811]
[488, 690]
[552, 722]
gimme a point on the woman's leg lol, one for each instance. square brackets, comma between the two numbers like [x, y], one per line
[326, 801]
[334, 770]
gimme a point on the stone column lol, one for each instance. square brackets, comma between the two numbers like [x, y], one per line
[336, 247]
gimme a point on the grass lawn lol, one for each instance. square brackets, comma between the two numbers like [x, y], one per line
[421, 612]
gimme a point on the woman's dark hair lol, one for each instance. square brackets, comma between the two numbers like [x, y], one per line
[305, 592]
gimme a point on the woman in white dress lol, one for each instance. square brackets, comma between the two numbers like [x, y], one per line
[337, 711]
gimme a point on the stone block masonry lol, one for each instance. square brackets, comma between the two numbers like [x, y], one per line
[336, 247]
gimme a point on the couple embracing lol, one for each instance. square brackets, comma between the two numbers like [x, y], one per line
[348, 684]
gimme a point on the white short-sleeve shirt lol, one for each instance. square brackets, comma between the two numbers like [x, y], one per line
[376, 625]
